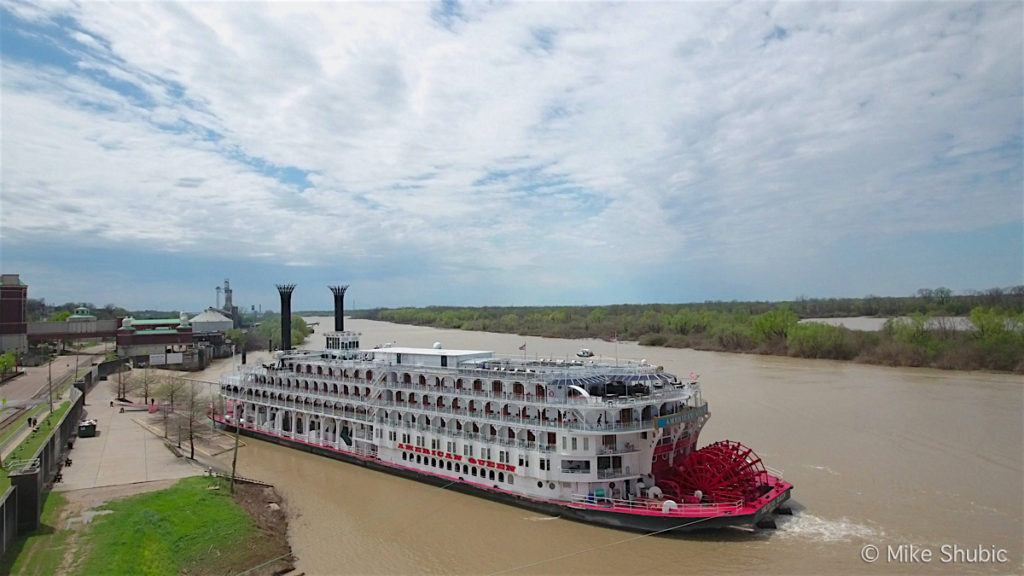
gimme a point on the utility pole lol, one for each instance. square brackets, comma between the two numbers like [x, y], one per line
[234, 457]
[49, 382]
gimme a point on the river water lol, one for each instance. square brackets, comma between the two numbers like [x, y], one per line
[873, 324]
[882, 456]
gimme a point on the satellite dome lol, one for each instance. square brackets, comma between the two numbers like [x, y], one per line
[437, 346]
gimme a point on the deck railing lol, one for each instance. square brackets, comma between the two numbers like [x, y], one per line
[680, 509]
[681, 392]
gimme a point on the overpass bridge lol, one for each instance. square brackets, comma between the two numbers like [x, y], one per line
[49, 331]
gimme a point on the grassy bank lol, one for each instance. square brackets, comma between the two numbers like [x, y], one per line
[194, 527]
[41, 552]
[762, 328]
[32, 443]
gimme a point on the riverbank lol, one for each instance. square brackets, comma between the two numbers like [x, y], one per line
[128, 503]
[189, 526]
[995, 342]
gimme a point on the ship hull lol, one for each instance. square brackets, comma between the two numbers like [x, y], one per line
[588, 515]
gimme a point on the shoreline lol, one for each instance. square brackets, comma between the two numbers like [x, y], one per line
[774, 349]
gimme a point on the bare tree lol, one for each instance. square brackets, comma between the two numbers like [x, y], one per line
[147, 383]
[172, 388]
[194, 410]
[123, 384]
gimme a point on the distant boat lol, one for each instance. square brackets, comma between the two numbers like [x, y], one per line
[585, 353]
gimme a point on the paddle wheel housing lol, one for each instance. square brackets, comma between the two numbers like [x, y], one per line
[723, 472]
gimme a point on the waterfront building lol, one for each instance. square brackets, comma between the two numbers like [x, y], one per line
[13, 325]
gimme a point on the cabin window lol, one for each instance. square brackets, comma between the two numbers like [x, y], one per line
[540, 484]
[405, 456]
[501, 476]
[491, 475]
[444, 361]
[586, 443]
[574, 443]
[545, 464]
[448, 465]
[522, 460]
[473, 470]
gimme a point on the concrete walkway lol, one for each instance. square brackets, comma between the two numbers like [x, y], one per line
[123, 452]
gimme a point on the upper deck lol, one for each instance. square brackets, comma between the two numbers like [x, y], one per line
[485, 374]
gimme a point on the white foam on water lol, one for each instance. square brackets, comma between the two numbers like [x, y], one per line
[811, 527]
[822, 468]
[540, 518]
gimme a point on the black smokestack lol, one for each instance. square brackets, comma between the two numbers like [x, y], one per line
[339, 306]
[285, 290]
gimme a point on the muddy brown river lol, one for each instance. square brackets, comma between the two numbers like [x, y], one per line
[889, 457]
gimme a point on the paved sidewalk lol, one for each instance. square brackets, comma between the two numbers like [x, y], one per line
[123, 452]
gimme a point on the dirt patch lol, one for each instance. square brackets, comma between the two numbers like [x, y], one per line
[270, 553]
[79, 501]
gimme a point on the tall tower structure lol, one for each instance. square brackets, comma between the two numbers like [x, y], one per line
[227, 295]
[339, 306]
[285, 290]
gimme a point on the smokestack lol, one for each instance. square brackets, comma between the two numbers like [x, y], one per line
[339, 306]
[285, 290]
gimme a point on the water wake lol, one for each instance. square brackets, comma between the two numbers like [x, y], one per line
[811, 527]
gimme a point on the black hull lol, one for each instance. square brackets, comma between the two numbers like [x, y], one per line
[618, 520]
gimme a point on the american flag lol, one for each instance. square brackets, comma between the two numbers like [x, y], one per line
[523, 347]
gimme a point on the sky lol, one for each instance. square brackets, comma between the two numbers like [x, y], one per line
[508, 153]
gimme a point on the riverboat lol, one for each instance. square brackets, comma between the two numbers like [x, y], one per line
[613, 444]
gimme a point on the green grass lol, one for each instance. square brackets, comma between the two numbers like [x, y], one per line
[27, 448]
[16, 426]
[40, 553]
[168, 532]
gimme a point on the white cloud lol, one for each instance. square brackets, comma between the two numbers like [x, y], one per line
[623, 137]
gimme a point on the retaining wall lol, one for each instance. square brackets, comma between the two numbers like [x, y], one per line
[22, 504]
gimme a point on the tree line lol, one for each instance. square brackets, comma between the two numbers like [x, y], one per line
[268, 331]
[37, 310]
[917, 336]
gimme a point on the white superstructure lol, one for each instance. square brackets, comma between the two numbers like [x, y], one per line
[543, 428]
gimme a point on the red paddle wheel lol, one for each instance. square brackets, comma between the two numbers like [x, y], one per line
[725, 471]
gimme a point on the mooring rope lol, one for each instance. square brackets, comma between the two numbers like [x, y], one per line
[591, 549]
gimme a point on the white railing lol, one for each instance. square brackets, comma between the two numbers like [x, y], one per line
[682, 392]
[511, 419]
[680, 509]
[613, 450]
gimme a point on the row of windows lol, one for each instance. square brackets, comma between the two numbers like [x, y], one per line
[442, 464]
